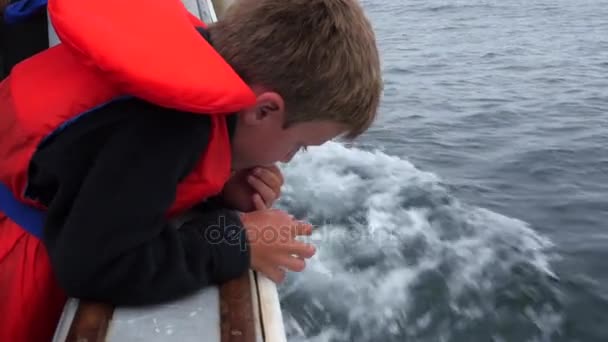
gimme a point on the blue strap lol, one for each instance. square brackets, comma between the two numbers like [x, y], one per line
[21, 10]
[28, 218]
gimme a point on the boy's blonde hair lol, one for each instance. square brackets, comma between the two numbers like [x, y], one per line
[319, 55]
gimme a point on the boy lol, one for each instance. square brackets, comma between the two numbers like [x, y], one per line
[128, 124]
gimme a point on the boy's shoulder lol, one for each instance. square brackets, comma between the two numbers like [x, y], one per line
[137, 116]
[136, 109]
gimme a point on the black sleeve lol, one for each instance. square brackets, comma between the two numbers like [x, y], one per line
[115, 243]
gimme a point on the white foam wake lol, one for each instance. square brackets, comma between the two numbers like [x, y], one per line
[399, 257]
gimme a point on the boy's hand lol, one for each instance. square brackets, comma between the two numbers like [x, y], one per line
[253, 189]
[271, 234]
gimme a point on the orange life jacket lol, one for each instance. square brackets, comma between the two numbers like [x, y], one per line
[111, 49]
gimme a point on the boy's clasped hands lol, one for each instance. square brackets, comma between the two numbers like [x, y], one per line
[271, 233]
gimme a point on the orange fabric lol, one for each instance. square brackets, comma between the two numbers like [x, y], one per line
[73, 89]
[41, 93]
[30, 301]
[211, 172]
[106, 55]
[150, 49]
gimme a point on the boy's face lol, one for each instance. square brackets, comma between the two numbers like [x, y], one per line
[260, 138]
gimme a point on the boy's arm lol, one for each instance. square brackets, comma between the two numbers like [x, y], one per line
[114, 243]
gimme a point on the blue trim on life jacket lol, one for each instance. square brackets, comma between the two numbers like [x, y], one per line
[75, 118]
[21, 10]
[29, 218]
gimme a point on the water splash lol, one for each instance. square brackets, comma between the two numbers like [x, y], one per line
[399, 258]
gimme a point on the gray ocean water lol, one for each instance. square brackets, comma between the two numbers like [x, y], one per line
[476, 209]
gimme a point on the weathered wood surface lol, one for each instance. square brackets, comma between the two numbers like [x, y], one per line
[226, 315]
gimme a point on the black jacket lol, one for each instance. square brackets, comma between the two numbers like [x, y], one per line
[108, 180]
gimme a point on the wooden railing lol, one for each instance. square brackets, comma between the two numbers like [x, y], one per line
[237, 321]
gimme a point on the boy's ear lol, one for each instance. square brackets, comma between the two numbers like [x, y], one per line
[269, 107]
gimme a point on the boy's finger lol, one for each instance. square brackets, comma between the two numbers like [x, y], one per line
[267, 193]
[273, 180]
[293, 264]
[301, 249]
[302, 229]
[258, 202]
[276, 173]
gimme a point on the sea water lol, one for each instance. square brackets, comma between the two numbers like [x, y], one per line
[475, 209]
